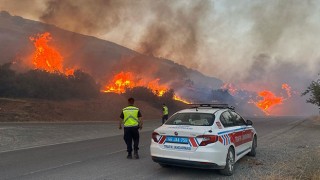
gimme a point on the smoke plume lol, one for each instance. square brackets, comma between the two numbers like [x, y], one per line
[255, 44]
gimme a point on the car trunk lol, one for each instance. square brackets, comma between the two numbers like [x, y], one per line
[181, 137]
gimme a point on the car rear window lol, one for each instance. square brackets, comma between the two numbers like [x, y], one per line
[193, 119]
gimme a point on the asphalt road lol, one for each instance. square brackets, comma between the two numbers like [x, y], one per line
[105, 158]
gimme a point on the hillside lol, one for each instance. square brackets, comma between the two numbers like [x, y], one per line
[101, 59]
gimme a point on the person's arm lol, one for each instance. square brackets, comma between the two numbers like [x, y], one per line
[121, 120]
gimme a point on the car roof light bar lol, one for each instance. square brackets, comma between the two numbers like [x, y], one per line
[219, 106]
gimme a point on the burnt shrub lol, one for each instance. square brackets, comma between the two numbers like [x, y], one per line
[7, 80]
[43, 85]
[146, 94]
[143, 94]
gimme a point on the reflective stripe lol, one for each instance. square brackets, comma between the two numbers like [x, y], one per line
[130, 114]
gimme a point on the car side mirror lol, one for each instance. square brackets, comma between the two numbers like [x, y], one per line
[249, 123]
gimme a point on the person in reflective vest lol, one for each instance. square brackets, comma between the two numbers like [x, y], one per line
[131, 120]
[165, 113]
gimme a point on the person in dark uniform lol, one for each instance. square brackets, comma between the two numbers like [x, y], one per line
[165, 113]
[131, 120]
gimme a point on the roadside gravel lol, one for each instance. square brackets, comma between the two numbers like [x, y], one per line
[290, 153]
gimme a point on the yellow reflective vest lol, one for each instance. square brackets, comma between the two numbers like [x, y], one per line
[165, 110]
[130, 118]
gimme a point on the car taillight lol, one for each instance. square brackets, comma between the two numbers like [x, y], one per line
[208, 139]
[154, 136]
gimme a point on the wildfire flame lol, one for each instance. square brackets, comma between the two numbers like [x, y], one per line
[177, 98]
[269, 100]
[46, 57]
[124, 80]
[128, 80]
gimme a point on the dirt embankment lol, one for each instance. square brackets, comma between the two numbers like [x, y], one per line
[104, 108]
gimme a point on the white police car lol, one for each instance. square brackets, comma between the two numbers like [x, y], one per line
[210, 136]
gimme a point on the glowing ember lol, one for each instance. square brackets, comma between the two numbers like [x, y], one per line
[46, 57]
[269, 100]
[287, 88]
[230, 87]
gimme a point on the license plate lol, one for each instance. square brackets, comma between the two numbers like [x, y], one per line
[180, 140]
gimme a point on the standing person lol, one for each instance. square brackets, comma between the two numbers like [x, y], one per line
[165, 112]
[131, 120]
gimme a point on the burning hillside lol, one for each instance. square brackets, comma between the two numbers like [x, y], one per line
[47, 58]
[57, 50]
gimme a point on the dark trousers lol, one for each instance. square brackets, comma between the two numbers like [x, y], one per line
[131, 134]
[164, 118]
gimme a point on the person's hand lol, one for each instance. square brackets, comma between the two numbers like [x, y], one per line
[120, 127]
[140, 127]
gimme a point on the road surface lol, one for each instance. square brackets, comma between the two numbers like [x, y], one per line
[105, 158]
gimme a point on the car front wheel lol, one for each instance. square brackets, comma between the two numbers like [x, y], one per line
[230, 160]
[253, 147]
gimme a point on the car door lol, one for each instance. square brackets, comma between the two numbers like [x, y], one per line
[246, 133]
[231, 132]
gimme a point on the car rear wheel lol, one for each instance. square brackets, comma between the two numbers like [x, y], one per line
[253, 147]
[230, 160]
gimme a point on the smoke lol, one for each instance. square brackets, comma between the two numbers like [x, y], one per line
[214, 37]
[162, 28]
[254, 44]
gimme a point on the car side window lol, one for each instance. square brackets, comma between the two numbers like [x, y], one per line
[226, 119]
[239, 121]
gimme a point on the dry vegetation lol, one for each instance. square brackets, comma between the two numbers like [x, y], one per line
[105, 108]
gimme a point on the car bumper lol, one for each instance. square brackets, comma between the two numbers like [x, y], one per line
[212, 156]
[185, 163]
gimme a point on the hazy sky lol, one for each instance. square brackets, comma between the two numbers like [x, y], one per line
[228, 39]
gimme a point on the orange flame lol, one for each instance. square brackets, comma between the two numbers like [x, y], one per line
[269, 100]
[120, 82]
[46, 57]
[124, 80]
[177, 98]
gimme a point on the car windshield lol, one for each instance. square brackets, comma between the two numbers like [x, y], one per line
[193, 119]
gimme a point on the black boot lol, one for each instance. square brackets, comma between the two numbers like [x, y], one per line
[129, 156]
[136, 155]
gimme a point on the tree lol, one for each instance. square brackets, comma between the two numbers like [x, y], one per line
[314, 91]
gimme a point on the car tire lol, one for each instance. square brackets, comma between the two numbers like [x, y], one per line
[253, 147]
[230, 160]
